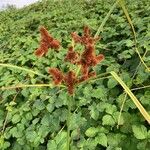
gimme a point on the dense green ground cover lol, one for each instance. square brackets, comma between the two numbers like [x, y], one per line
[35, 118]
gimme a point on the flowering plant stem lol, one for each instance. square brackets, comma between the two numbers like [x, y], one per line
[70, 98]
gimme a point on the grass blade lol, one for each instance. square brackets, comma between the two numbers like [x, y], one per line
[122, 4]
[23, 69]
[106, 18]
[134, 99]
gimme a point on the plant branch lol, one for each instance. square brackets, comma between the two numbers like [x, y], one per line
[23, 69]
[133, 31]
[100, 29]
[132, 96]
[70, 98]
[29, 85]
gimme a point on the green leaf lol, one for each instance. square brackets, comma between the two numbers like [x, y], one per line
[51, 145]
[140, 131]
[16, 118]
[29, 116]
[61, 140]
[39, 105]
[102, 139]
[46, 120]
[94, 111]
[111, 83]
[50, 107]
[100, 93]
[91, 132]
[31, 135]
[108, 120]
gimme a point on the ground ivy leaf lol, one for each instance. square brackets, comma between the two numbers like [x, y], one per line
[45, 120]
[140, 132]
[100, 93]
[50, 107]
[31, 136]
[94, 111]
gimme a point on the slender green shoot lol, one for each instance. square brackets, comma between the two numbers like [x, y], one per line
[70, 98]
[23, 69]
[100, 29]
[122, 4]
[132, 96]
[28, 85]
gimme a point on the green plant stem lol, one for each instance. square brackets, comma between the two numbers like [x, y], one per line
[29, 85]
[25, 86]
[122, 4]
[68, 121]
[134, 99]
[23, 69]
[106, 18]
[121, 109]
[98, 77]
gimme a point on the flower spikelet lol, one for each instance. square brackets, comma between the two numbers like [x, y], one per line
[47, 41]
[71, 56]
[70, 81]
[86, 37]
[57, 75]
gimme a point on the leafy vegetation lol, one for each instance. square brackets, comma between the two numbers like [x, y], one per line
[102, 114]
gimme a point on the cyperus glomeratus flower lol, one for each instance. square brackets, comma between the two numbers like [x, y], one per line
[69, 79]
[57, 75]
[86, 37]
[86, 59]
[47, 41]
[71, 56]
[89, 58]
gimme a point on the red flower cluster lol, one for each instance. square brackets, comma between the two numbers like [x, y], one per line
[89, 58]
[47, 41]
[86, 59]
[71, 56]
[57, 75]
[69, 79]
[86, 38]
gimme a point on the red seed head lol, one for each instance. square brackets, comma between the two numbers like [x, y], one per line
[45, 36]
[71, 56]
[55, 44]
[43, 49]
[70, 81]
[46, 42]
[76, 37]
[57, 75]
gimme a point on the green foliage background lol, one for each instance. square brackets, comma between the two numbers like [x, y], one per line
[35, 118]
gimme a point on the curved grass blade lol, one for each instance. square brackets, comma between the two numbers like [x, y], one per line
[122, 4]
[100, 29]
[134, 99]
[23, 69]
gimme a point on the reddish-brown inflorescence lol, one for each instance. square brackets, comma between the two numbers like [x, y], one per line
[47, 41]
[57, 75]
[87, 59]
[86, 37]
[70, 81]
[71, 56]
